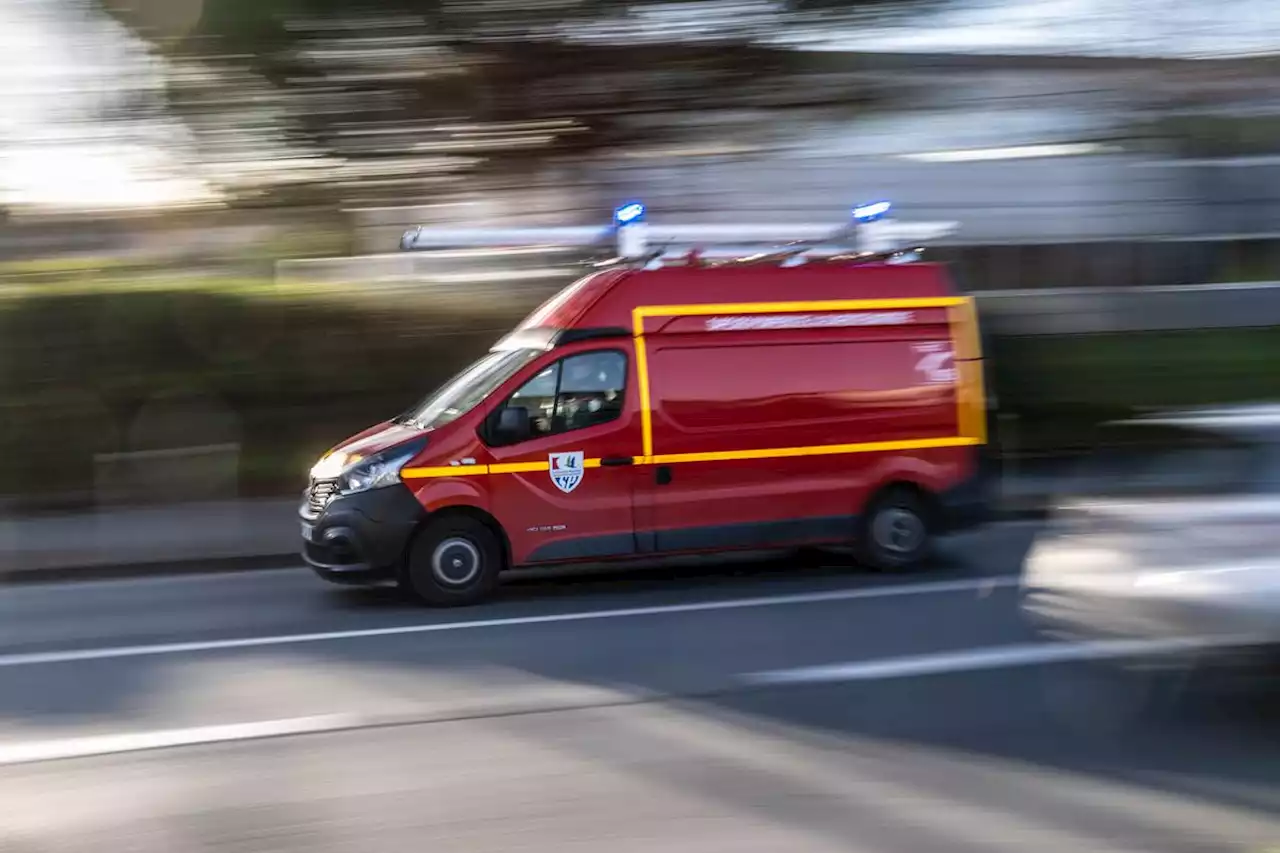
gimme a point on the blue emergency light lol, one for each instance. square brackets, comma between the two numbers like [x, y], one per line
[629, 213]
[871, 212]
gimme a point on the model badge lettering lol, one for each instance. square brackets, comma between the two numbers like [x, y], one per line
[566, 470]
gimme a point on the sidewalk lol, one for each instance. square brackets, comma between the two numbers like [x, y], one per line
[244, 534]
[180, 537]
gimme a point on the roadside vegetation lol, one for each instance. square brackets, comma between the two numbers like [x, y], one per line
[285, 370]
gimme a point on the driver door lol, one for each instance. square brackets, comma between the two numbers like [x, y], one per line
[565, 489]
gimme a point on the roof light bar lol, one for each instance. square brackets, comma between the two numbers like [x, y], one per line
[869, 232]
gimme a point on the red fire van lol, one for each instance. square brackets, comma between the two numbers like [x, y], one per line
[688, 408]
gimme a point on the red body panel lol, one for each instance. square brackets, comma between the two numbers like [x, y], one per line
[762, 390]
[377, 438]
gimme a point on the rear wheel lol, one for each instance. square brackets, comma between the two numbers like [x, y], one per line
[454, 561]
[896, 532]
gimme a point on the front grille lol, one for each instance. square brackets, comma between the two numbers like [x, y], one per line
[320, 493]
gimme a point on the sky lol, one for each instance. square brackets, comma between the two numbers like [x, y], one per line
[60, 65]
[61, 62]
[1177, 28]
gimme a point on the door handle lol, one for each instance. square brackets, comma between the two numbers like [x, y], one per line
[617, 461]
[662, 475]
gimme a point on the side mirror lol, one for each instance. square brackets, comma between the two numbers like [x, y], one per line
[512, 425]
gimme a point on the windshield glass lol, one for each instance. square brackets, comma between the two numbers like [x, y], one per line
[466, 390]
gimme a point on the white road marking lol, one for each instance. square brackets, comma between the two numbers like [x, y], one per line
[993, 657]
[1013, 152]
[931, 588]
[28, 752]
[114, 744]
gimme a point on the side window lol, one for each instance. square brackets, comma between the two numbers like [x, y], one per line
[591, 389]
[579, 391]
[538, 397]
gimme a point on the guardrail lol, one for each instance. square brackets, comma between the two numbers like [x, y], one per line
[1079, 311]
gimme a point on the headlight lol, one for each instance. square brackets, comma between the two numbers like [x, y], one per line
[377, 471]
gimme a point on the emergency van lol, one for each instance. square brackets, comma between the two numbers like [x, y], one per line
[826, 389]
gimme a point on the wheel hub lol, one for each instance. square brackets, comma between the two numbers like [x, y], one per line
[898, 530]
[456, 561]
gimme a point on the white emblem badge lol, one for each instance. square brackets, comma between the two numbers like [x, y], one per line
[566, 470]
[934, 361]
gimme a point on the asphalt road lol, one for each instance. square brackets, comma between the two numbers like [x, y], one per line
[731, 707]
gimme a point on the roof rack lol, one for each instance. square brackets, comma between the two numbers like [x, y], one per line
[869, 233]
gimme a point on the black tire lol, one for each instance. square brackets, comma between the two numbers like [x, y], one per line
[453, 561]
[897, 531]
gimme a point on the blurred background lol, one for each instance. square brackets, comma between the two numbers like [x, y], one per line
[200, 200]
[200, 292]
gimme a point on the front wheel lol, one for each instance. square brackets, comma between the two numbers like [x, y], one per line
[896, 532]
[454, 561]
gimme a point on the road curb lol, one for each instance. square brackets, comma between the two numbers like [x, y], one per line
[166, 568]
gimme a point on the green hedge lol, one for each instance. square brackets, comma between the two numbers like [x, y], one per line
[288, 372]
[286, 376]
[1060, 387]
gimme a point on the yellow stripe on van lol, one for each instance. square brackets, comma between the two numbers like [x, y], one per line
[973, 407]
[794, 307]
[972, 428]
[817, 450]
[642, 372]
[475, 470]
[443, 471]
[971, 400]
[519, 467]
[716, 456]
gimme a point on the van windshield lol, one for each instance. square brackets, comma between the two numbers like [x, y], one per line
[465, 391]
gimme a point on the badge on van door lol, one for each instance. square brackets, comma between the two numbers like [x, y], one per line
[937, 362]
[566, 470]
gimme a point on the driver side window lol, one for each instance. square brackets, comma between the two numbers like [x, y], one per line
[579, 391]
[538, 398]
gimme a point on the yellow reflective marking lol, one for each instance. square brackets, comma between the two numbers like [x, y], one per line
[718, 456]
[795, 307]
[642, 372]
[639, 314]
[953, 333]
[817, 450]
[969, 344]
[971, 401]
[443, 471]
[475, 470]
[519, 467]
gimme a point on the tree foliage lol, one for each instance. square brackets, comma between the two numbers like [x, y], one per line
[263, 25]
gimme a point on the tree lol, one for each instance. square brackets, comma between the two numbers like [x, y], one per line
[373, 84]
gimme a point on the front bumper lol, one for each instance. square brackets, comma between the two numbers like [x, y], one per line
[361, 538]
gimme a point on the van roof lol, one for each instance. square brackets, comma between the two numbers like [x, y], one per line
[605, 300]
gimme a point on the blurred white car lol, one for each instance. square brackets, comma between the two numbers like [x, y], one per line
[1171, 533]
